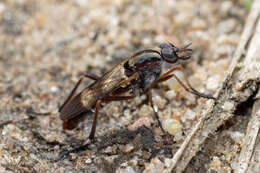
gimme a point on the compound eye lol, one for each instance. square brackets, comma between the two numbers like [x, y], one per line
[169, 54]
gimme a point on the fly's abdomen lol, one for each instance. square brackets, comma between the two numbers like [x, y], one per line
[73, 108]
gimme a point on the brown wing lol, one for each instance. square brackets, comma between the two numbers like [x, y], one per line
[73, 123]
[110, 81]
[87, 98]
[73, 108]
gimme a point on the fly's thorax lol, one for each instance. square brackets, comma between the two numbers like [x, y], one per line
[143, 57]
[149, 74]
[148, 64]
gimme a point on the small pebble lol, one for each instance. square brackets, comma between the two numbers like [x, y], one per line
[178, 137]
[213, 82]
[143, 121]
[146, 155]
[82, 2]
[154, 166]
[172, 126]
[171, 94]
[226, 6]
[231, 39]
[113, 110]
[128, 169]
[127, 113]
[57, 147]
[198, 24]
[228, 106]
[109, 150]
[215, 164]
[219, 67]
[227, 26]
[88, 161]
[159, 101]
[146, 110]
[237, 136]
[2, 7]
[54, 89]
[189, 115]
[127, 148]
[12, 131]
[73, 156]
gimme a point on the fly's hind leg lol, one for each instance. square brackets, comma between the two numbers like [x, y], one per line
[91, 76]
[94, 123]
[105, 99]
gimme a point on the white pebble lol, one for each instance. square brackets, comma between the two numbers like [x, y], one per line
[2, 7]
[54, 89]
[171, 94]
[226, 6]
[11, 131]
[213, 82]
[85, 20]
[190, 115]
[88, 161]
[146, 110]
[128, 169]
[227, 26]
[172, 126]
[82, 2]
[158, 101]
[237, 136]
[228, 106]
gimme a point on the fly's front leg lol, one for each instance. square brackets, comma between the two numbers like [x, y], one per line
[189, 88]
[91, 76]
[192, 90]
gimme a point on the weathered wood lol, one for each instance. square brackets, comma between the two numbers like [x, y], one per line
[249, 140]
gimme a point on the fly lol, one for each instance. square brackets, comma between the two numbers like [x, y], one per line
[135, 75]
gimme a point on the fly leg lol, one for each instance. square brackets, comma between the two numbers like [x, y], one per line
[105, 99]
[150, 97]
[94, 123]
[189, 88]
[166, 76]
[91, 76]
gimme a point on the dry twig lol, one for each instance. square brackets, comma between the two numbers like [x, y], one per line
[252, 61]
[250, 139]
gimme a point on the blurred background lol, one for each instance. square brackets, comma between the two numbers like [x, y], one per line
[44, 41]
[46, 45]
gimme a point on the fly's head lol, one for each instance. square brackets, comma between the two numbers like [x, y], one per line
[172, 54]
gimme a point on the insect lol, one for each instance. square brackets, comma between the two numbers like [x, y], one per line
[133, 76]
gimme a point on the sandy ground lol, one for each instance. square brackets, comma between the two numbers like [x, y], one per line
[45, 46]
